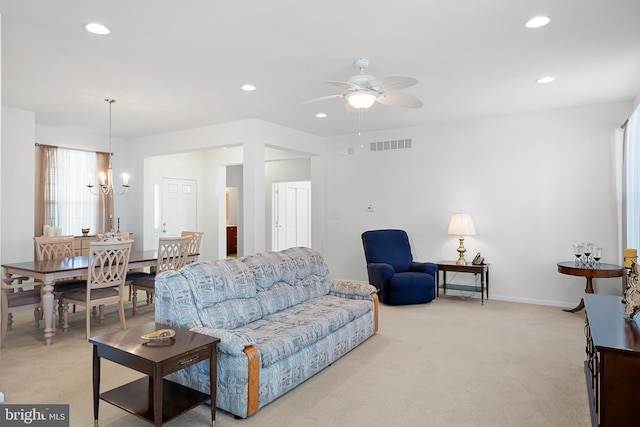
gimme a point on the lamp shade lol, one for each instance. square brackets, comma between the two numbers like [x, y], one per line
[361, 99]
[461, 224]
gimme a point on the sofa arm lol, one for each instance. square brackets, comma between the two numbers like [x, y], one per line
[231, 342]
[351, 289]
[424, 267]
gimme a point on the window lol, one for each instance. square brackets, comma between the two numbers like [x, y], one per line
[632, 181]
[64, 200]
[77, 207]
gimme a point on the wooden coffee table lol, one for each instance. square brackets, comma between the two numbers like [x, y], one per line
[153, 398]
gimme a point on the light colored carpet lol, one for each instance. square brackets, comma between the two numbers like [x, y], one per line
[451, 362]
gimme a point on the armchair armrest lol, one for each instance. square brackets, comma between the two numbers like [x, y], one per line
[424, 267]
[379, 273]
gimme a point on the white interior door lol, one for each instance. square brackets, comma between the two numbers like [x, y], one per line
[178, 207]
[291, 214]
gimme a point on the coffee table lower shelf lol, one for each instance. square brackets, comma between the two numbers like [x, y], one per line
[137, 399]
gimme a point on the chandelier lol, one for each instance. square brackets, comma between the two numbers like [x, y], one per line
[106, 185]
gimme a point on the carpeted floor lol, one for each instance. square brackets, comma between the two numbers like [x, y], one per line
[451, 362]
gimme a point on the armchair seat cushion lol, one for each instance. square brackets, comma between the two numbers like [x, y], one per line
[412, 288]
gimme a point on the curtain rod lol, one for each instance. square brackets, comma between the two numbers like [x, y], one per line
[69, 148]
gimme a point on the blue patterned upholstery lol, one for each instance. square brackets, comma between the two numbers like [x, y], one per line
[284, 304]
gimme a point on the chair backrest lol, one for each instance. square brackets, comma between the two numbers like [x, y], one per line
[389, 247]
[56, 247]
[194, 244]
[172, 253]
[108, 263]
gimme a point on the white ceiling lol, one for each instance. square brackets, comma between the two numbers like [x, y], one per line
[175, 65]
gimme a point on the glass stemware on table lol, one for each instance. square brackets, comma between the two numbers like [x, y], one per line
[587, 255]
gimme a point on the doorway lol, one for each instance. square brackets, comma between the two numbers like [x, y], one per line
[291, 219]
[176, 207]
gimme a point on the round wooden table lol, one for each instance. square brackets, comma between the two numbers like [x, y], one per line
[602, 271]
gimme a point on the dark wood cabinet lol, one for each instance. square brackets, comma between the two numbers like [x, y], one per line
[612, 367]
[232, 239]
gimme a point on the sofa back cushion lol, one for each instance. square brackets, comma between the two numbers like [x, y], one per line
[288, 277]
[174, 300]
[269, 268]
[224, 292]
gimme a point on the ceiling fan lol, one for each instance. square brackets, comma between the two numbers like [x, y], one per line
[363, 90]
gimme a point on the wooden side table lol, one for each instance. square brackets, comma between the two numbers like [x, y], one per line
[153, 398]
[602, 271]
[481, 269]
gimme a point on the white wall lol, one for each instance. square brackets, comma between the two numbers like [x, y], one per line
[534, 184]
[18, 184]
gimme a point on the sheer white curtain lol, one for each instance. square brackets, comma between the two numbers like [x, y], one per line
[632, 180]
[77, 207]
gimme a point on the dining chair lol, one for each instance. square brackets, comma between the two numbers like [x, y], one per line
[172, 255]
[58, 247]
[108, 265]
[194, 244]
[16, 298]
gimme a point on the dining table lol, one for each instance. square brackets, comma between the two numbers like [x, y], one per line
[49, 271]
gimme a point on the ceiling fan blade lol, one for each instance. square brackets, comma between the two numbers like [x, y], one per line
[384, 84]
[322, 98]
[342, 85]
[399, 99]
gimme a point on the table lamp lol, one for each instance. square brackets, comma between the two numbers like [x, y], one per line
[461, 225]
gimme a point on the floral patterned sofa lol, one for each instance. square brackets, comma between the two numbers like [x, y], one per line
[279, 315]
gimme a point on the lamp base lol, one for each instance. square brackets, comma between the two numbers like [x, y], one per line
[461, 251]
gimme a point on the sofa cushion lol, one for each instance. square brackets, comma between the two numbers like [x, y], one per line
[280, 296]
[282, 334]
[231, 314]
[269, 268]
[174, 300]
[216, 281]
[307, 262]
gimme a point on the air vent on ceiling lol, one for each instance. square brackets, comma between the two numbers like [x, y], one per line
[395, 144]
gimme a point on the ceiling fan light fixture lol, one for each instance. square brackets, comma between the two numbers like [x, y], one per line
[361, 99]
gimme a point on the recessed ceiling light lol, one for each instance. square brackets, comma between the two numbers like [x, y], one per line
[321, 115]
[96, 28]
[248, 87]
[537, 22]
[547, 79]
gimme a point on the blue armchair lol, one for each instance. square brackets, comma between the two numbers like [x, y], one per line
[392, 270]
